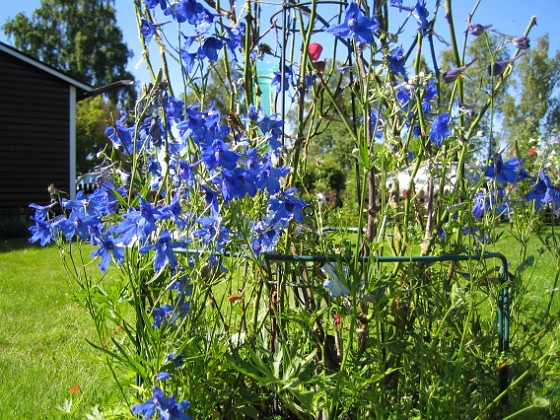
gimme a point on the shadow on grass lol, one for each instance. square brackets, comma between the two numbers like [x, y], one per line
[15, 244]
[13, 228]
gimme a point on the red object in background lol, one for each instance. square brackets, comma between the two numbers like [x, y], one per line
[315, 51]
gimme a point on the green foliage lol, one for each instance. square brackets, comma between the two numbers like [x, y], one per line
[92, 116]
[529, 112]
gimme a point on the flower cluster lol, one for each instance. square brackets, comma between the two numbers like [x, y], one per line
[150, 213]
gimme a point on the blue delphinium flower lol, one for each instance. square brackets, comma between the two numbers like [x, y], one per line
[479, 205]
[509, 172]
[270, 126]
[419, 12]
[238, 183]
[163, 376]
[480, 235]
[211, 198]
[174, 211]
[205, 22]
[168, 314]
[183, 287]
[146, 222]
[193, 125]
[151, 4]
[403, 96]
[219, 154]
[152, 132]
[176, 358]
[148, 30]
[346, 69]
[491, 200]
[208, 228]
[253, 113]
[212, 232]
[174, 109]
[396, 62]
[164, 248]
[268, 176]
[520, 42]
[284, 207]
[186, 11]
[127, 231]
[43, 231]
[189, 60]
[234, 38]
[154, 168]
[430, 93]
[440, 129]
[308, 81]
[162, 314]
[209, 49]
[123, 136]
[168, 408]
[185, 172]
[276, 81]
[543, 192]
[356, 25]
[376, 123]
[265, 237]
[78, 223]
[41, 211]
[107, 248]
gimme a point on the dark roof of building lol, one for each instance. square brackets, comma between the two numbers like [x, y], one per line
[84, 87]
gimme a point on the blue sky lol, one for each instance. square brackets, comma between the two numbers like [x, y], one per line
[508, 16]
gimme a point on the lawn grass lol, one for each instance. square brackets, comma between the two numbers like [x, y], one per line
[43, 352]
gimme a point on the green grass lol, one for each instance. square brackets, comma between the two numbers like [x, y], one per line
[43, 352]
